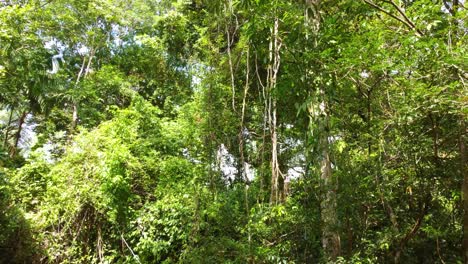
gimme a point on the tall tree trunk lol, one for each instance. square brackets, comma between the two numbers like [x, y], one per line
[275, 173]
[264, 95]
[330, 238]
[463, 163]
[229, 12]
[241, 145]
[273, 68]
[241, 127]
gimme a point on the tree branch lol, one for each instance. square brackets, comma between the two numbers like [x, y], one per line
[402, 13]
[410, 26]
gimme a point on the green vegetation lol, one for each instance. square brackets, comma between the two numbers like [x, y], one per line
[233, 131]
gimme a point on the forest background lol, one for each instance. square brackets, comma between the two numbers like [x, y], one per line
[233, 131]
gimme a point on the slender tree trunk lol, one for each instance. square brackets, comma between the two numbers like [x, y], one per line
[21, 120]
[265, 125]
[275, 173]
[7, 129]
[231, 69]
[74, 116]
[229, 52]
[84, 71]
[241, 145]
[75, 104]
[273, 68]
[241, 127]
[463, 168]
[99, 245]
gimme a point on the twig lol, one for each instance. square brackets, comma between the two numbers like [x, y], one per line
[133, 253]
[438, 251]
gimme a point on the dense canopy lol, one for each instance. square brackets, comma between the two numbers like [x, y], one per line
[233, 131]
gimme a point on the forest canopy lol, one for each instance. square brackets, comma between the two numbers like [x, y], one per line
[233, 131]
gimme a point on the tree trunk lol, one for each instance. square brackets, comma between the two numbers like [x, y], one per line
[244, 175]
[7, 129]
[21, 120]
[74, 116]
[463, 163]
[273, 68]
[84, 71]
[229, 52]
[275, 174]
[330, 237]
